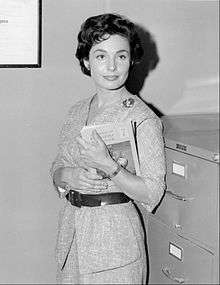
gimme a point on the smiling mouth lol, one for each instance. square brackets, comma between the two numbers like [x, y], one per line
[111, 77]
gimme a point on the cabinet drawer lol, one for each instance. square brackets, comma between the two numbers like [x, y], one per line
[191, 200]
[189, 175]
[175, 260]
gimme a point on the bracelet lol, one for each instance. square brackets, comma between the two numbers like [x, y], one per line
[113, 174]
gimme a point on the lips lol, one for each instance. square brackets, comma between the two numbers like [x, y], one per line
[111, 77]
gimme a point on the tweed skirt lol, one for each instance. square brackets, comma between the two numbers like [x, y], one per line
[100, 245]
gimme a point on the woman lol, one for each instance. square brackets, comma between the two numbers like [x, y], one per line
[103, 243]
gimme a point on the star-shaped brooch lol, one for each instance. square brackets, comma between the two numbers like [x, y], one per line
[128, 103]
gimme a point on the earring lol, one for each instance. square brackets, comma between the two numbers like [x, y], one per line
[87, 65]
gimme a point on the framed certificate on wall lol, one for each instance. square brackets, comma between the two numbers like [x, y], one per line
[20, 33]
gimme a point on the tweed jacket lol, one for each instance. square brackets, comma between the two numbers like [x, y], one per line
[109, 236]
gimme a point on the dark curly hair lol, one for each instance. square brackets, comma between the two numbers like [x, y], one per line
[95, 29]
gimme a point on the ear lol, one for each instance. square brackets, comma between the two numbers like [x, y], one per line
[86, 63]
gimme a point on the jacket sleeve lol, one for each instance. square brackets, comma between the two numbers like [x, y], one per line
[67, 148]
[152, 160]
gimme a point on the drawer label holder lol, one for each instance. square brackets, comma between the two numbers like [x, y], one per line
[179, 169]
[176, 251]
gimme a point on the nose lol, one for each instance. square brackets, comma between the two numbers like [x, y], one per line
[111, 64]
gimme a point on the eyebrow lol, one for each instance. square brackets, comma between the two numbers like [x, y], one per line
[102, 50]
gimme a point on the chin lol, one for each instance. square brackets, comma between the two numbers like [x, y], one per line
[114, 86]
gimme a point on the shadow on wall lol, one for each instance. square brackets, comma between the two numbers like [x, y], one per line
[149, 61]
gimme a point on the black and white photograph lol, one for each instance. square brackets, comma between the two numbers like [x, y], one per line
[20, 35]
[109, 119]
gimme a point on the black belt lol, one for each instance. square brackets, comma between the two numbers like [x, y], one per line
[93, 200]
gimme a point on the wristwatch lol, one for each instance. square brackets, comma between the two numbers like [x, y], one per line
[115, 172]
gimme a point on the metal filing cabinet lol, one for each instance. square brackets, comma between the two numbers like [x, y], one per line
[183, 233]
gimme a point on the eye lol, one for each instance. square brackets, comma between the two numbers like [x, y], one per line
[100, 56]
[122, 56]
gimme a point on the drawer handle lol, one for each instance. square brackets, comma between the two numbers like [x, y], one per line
[166, 271]
[179, 197]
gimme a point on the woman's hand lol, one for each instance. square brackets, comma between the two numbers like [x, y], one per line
[79, 178]
[96, 155]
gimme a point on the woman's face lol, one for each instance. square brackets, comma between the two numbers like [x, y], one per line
[109, 62]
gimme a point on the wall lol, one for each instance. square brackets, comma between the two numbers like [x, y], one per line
[34, 103]
[186, 78]
[32, 107]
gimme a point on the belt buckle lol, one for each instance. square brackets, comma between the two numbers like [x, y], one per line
[75, 198]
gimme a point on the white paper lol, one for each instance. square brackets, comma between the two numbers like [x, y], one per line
[19, 25]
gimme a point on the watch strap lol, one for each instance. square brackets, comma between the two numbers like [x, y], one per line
[113, 174]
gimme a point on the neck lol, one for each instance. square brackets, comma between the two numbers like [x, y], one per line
[106, 97]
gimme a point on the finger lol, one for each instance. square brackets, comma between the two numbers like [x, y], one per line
[86, 186]
[93, 175]
[89, 177]
[91, 185]
[92, 191]
[92, 170]
[94, 182]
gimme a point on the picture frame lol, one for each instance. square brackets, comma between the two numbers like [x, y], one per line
[21, 33]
